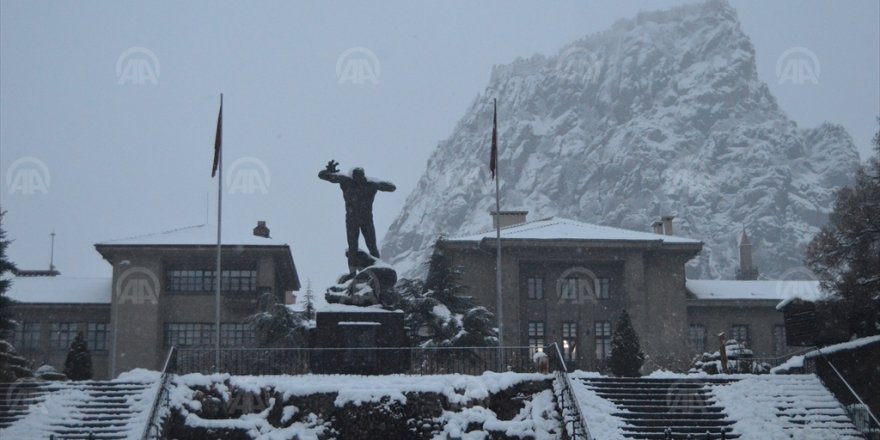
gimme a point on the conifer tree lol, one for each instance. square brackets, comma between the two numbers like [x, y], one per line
[478, 329]
[78, 365]
[626, 353]
[6, 267]
[845, 254]
[443, 282]
[276, 326]
[310, 301]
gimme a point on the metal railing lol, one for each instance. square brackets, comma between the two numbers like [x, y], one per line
[779, 360]
[395, 360]
[568, 403]
[869, 426]
[153, 424]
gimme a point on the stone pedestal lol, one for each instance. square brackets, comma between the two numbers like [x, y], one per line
[358, 342]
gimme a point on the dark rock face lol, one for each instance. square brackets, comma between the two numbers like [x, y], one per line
[661, 114]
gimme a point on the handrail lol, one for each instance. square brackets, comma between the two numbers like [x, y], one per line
[850, 388]
[579, 424]
[162, 392]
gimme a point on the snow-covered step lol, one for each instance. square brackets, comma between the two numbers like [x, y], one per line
[108, 410]
[743, 406]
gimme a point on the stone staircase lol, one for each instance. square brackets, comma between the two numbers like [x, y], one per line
[75, 410]
[698, 408]
[665, 408]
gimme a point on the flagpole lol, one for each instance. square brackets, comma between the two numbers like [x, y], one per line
[217, 272]
[498, 300]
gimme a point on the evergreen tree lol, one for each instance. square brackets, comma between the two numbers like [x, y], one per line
[12, 366]
[78, 365]
[276, 326]
[845, 254]
[443, 282]
[310, 301]
[6, 267]
[626, 353]
[478, 329]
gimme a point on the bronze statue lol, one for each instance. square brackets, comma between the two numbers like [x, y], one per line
[359, 193]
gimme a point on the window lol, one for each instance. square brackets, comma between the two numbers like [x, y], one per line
[236, 335]
[203, 280]
[536, 336]
[740, 332]
[569, 340]
[96, 336]
[603, 339]
[601, 286]
[697, 338]
[62, 334]
[535, 288]
[189, 334]
[779, 344]
[569, 288]
[27, 336]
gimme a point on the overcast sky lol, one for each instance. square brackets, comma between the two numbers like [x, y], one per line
[126, 140]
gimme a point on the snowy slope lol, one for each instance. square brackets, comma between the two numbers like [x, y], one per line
[661, 114]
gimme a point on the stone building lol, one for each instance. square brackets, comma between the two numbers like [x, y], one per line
[160, 293]
[567, 281]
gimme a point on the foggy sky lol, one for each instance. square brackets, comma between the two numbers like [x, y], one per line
[128, 159]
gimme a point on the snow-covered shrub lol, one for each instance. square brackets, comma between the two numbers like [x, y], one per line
[739, 360]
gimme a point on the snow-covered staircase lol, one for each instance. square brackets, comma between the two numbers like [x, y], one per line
[687, 407]
[655, 408]
[77, 410]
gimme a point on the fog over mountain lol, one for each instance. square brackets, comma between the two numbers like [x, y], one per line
[661, 114]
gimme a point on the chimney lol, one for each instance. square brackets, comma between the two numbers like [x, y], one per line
[261, 230]
[667, 224]
[508, 218]
[658, 227]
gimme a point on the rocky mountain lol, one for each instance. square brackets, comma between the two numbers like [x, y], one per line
[661, 114]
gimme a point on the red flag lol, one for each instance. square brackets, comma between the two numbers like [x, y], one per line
[493, 161]
[218, 140]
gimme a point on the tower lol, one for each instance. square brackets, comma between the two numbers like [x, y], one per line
[746, 270]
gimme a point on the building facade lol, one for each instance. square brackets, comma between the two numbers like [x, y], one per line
[161, 293]
[566, 281]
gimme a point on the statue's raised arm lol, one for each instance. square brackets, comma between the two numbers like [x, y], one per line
[385, 186]
[331, 173]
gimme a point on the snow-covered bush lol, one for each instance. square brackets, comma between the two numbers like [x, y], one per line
[739, 360]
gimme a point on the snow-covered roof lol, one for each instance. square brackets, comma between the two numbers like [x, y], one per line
[195, 235]
[782, 290]
[61, 290]
[558, 228]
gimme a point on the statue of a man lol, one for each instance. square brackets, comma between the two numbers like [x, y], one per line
[359, 193]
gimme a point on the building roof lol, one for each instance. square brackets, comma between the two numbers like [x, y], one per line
[779, 290]
[557, 228]
[194, 235]
[61, 290]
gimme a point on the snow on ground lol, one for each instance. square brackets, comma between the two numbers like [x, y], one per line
[61, 407]
[782, 407]
[538, 418]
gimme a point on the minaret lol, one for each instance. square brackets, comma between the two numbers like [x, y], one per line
[746, 270]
